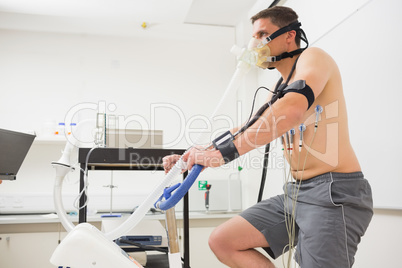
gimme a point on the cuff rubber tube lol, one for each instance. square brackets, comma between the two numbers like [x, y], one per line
[172, 199]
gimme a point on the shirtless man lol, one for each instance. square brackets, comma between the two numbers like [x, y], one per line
[334, 205]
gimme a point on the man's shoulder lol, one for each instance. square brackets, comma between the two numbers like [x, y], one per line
[315, 57]
[314, 51]
[316, 67]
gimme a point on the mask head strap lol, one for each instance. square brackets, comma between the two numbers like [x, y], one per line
[293, 26]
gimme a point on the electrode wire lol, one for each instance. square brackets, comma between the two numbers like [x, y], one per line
[255, 96]
[251, 120]
[278, 88]
[288, 215]
[85, 188]
[295, 193]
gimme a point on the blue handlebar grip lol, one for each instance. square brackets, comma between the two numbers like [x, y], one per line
[181, 190]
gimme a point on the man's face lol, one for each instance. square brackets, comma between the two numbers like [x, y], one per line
[263, 28]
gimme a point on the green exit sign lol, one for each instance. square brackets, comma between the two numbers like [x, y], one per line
[202, 185]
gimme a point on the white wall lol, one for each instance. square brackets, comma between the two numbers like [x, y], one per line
[355, 33]
[45, 74]
[170, 80]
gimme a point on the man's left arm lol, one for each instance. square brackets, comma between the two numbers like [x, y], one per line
[314, 68]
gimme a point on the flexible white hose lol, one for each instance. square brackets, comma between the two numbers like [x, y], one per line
[138, 215]
[234, 83]
[63, 167]
[58, 203]
[140, 212]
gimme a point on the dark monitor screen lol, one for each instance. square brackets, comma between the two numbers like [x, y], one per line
[14, 147]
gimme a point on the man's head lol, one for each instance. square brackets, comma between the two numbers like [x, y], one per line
[280, 16]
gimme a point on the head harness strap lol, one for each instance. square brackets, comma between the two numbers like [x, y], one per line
[293, 26]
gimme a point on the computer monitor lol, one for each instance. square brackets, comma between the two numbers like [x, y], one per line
[14, 147]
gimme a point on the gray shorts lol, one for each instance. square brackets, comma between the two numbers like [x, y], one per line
[333, 211]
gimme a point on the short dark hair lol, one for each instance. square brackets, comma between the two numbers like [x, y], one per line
[280, 16]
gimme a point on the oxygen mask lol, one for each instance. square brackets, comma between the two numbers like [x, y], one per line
[261, 52]
[258, 52]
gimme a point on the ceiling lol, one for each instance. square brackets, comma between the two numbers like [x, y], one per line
[119, 16]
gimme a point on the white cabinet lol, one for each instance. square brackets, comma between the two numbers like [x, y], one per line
[30, 244]
[27, 249]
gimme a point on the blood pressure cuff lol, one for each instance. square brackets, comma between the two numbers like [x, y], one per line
[300, 87]
[224, 143]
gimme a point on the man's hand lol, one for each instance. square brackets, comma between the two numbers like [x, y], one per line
[206, 158]
[169, 161]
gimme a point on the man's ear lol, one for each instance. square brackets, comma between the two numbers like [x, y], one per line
[291, 35]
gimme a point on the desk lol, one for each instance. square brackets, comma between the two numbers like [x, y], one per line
[129, 159]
